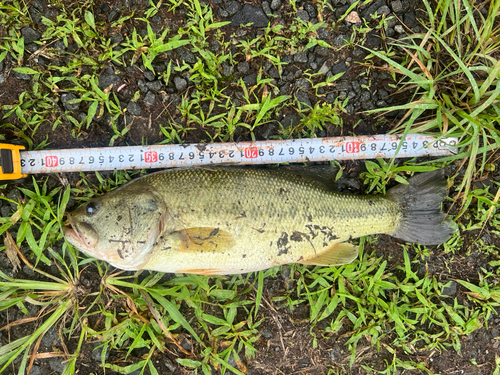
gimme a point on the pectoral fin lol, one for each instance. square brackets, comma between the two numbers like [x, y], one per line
[334, 255]
[204, 240]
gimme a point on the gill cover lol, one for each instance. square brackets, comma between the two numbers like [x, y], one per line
[120, 227]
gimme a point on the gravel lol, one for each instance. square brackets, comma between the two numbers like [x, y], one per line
[249, 14]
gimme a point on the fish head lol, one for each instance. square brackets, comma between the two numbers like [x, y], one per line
[120, 227]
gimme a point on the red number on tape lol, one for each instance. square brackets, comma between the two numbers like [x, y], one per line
[352, 147]
[150, 156]
[251, 152]
[51, 161]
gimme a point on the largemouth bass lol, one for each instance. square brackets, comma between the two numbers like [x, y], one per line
[228, 221]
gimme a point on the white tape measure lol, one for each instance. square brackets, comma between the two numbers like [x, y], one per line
[261, 152]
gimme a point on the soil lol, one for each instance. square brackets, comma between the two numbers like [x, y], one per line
[286, 341]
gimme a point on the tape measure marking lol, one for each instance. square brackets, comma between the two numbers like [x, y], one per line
[261, 152]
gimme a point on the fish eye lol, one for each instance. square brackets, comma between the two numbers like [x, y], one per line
[91, 209]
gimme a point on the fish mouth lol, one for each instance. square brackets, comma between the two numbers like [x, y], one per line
[75, 234]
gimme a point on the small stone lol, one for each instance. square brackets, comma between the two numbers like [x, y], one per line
[215, 46]
[450, 289]
[38, 5]
[323, 33]
[154, 85]
[339, 40]
[353, 17]
[300, 57]
[232, 7]
[142, 85]
[266, 8]
[134, 109]
[227, 69]
[249, 14]
[383, 10]
[57, 364]
[409, 19]
[2, 78]
[31, 47]
[250, 79]
[303, 99]
[397, 6]
[311, 10]
[29, 35]
[65, 98]
[275, 4]
[108, 78]
[303, 15]
[97, 352]
[321, 51]
[324, 69]
[35, 15]
[149, 75]
[22, 76]
[180, 83]
[186, 55]
[373, 38]
[302, 83]
[267, 334]
[339, 68]
[372, 9]
[243, 67]
[399, 29]
[36, 370]
[112, 16]
[330, 97]
[149, 99]
[365, 95]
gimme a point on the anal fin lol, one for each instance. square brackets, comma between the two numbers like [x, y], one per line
[334, 255]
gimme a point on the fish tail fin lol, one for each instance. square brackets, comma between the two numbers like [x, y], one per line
[420, 203]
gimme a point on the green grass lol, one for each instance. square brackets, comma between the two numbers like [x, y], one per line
[451, 70]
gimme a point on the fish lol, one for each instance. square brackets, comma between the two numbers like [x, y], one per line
[223, 221]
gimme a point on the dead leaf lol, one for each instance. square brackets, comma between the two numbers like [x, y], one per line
[10, 249]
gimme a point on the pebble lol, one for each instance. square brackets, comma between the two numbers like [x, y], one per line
[303, 15]
[275, 4]
[65, 98]
[154, 85]
[321, 51]
[300, 57]
[149, 75]
[353, 17]
[250, 14]
[243, 67]
[397, 6]
[149, 99]
[186, 55]
[303, 99]
[180, 83]
[232, 7]
[108, 78]
[134, 109]
[399, 29]
[30, 35]
[57, 364]
[339, 68]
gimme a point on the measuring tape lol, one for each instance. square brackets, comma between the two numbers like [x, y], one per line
[22, 162]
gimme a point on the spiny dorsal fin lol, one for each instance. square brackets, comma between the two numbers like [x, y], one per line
[334, 255]
[204, 240]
